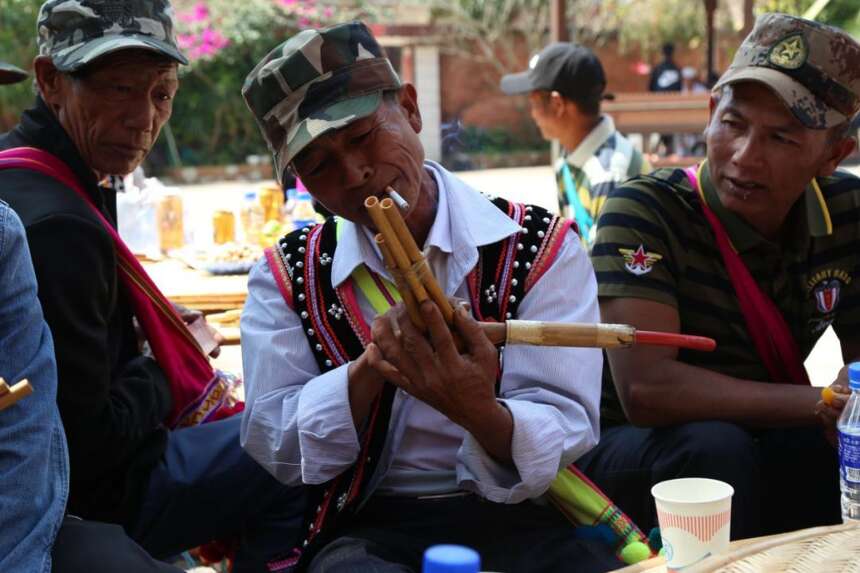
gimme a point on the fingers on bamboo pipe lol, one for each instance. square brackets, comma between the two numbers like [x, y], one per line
[397, 250]
[434, 290]
[405, 292]
[496, 331]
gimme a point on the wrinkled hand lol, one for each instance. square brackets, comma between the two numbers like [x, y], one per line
[188, 316]
[828, 413]
[460, 386]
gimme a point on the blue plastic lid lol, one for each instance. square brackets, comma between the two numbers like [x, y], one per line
[451, 559]
[854, 375]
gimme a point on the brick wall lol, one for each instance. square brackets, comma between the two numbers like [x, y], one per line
[470, 89]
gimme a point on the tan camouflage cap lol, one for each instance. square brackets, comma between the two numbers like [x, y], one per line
[9, 74]
[316, 82]
[813, 68]
[77, 32]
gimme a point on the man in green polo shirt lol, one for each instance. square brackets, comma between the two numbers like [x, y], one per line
[766, 218]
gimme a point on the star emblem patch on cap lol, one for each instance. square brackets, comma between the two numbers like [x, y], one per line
[789, 53]
[639, 262]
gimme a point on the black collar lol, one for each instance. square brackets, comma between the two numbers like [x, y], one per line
[40, 128]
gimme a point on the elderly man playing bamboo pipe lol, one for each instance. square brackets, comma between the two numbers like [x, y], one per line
[758, 248]
[415, 442]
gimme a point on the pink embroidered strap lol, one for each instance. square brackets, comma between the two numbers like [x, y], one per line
[199, 393]
[770, 334]
[279, 271]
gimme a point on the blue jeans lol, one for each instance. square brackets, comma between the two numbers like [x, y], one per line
[207, 488]
[34, 467]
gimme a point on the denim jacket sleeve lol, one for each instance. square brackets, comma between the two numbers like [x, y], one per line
[33, 458]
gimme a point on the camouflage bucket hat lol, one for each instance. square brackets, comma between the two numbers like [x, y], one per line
[316, 82]
[813, 68]
[9, 74]
[74, 33]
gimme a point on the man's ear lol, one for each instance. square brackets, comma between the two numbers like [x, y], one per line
[556, 103]
[408, 100]
[52, 84]
[713, 102]
[836, 153]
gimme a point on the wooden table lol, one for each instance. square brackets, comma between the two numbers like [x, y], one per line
[198, 289]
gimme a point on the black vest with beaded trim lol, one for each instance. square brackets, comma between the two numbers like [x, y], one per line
[337, 333]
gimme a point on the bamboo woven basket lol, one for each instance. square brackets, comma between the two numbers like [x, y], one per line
[833, 549]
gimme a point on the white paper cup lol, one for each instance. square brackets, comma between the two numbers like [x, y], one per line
[695, 517]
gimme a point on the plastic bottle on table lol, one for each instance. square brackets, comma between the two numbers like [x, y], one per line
[849, 448]
[252, 218]
[303, 213]
[451, 559]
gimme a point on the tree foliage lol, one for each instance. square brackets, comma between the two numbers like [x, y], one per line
[17, 46]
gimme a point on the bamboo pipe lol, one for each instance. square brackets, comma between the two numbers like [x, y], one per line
[400, 257]
[539, 333]
[417, 258]
[9, 396]
[400, 283]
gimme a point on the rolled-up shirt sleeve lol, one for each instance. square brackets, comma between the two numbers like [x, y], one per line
[297, 422]
[553, 394]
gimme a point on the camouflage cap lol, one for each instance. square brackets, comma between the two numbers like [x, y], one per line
[813, 68]
[9, 74]
[316, 82]
[77, 32]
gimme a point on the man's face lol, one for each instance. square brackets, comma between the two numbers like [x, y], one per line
[115, 110]
[344, 167]
[543, 114]
[761, 157]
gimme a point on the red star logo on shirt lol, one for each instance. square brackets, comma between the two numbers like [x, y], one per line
[639, 262]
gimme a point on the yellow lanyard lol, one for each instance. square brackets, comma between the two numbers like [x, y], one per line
[372, 289]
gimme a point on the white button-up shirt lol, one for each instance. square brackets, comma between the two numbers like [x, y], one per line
[298, 423]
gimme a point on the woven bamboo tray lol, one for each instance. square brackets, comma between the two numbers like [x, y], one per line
[833, 549]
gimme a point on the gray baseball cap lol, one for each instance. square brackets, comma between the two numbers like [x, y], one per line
[9, 74]
[74, 33]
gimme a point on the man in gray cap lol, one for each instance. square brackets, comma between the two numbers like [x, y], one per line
[757, 248]
[107, 75]
[412, 442]
[565, 84]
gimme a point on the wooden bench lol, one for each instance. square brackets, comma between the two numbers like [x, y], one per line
[666, 113]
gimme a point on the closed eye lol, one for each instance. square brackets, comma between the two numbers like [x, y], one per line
[784, 140]
[357, 139]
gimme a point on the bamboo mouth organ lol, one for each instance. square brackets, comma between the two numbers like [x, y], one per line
[416, 283]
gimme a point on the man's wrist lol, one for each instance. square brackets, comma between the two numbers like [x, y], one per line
[492, 426]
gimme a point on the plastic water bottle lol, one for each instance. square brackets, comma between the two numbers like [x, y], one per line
[252, 218]
[304, 214]
[849, 448]
[451, 559]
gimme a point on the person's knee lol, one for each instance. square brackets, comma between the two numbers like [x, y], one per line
[715, 449]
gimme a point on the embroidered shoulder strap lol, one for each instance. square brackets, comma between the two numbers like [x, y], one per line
[507, 270]
[302, 268]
